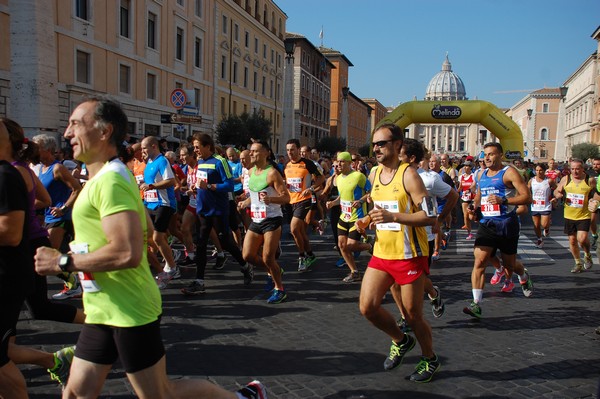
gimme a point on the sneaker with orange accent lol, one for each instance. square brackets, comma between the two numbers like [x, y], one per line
[497, 277]
[435, 256]
[508, 286]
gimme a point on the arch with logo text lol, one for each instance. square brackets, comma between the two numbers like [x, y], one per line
[469, 111]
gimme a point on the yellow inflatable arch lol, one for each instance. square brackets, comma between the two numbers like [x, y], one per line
[468, 111]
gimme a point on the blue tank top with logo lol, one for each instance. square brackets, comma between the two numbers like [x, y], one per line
[59, 193]
[494, 185]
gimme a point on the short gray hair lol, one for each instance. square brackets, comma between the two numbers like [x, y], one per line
[46, 142]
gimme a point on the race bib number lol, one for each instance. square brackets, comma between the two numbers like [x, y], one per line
[346, 210]
[539, 201]
[294, 184]
[202, 175]
[151, 196]
[466, 195]
[575, 200]
[489, 210]
[258, 212]
[86, 279]
[390, 206]
[139, 179]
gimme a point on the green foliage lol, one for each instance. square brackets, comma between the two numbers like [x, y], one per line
[238, 130]
[585, 151]
[331, 145]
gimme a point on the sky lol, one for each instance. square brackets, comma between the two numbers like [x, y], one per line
[501, 49]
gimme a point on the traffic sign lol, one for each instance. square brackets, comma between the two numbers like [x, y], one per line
[178, 98]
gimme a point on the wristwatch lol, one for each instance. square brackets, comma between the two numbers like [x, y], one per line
[209, 186]
[64, 262]
[504, 201]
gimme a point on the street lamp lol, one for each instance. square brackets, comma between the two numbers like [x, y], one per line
[563, 92]
[529, 112]
[288, 94]
[345, 91]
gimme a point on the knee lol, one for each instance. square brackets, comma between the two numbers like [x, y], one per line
[368, 310]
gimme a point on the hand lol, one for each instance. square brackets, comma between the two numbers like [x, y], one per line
[380, 215]
[593, 205]
[46, 261]
[306, 192]
[362, 224]
[356, 204]
[495, 199]
[56, 211]
[146, 187]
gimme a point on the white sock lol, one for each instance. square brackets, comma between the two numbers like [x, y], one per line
[477, 295]
[167, 268]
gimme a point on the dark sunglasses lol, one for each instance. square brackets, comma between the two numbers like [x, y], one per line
[380, 143]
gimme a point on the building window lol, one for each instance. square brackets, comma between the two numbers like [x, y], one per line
[180, 2]
[236, 32]
[272, 56]
[151, 86]
[223, 106]
[544, 134]
[197, 98]
[264, 83]
[178, 85]
[198, 53]
[545, 107]
[255, 84]
[543, 153]
[235, 108]
[179, 44]
[198, 8]
[265, 51]
[256, 45]
[124, 17]
[124, 79]
[235, 68]
[152, 130]
[271, 89]
[246, 39]
[223, 67]
[224, 24]
[83, 67]
[152, 30]
[246, 77]
[81, 9]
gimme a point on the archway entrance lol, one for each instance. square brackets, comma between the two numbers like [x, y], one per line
[470, 111]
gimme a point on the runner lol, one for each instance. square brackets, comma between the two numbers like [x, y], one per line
[541, 188]
[594, 175]
[267, 194]
[213, 184]
[466, 188]
[188, 219]
[499, 191]
[400, 253]
[121, 301]
[353, 188]
[575, 191]
[299, 172]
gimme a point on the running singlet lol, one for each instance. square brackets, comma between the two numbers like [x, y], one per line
[215, 202]
[259, 188]
[495, 185]
[552, 174]
[396, 241]
[156, 171]
[59, 192]
[351, 188]
[467, 182]
[138, 173]
[191, 183]
[541, 194]
[297, 178]
[576, 200]
[121, 298]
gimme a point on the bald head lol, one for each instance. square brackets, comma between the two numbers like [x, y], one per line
[245, 159]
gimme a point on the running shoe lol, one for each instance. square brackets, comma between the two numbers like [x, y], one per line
[164, 278]
[508, 286]
[178, 254]
[594, 241]
[435, 256]
[577, 268]
[214, 253]
[62, 365]
[277, 297]
[587, 261]
[473, 310]
[341, 263]
[597, 330]
[352, 277]
[497, 277]
[464, 227]
[301, 264]
[539, 243]
[403, 324]
[186, 262]
[469, 236]
[254, 390]
[397, 352]
[67, 293]
[527, 286]
[195, 288]
[425, 369]
[220, 262]
[310, 260]
[437, 304]
[546, 232]
[321, 227]
[444, 243]
[248, 272]
[269, 283]
[174, 272]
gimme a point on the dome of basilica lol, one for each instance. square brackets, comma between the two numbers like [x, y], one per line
[446, 85]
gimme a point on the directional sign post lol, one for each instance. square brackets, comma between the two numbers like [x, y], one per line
[178, 98]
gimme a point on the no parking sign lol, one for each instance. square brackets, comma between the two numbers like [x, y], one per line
[178, 98]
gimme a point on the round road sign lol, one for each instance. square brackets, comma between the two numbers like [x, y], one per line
[178, 98]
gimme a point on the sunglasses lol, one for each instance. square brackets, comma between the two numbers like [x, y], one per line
[380, 143]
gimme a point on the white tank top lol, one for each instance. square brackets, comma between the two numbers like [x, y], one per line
[541, 194]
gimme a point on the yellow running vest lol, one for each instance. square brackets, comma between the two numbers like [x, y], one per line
[395, 241]
[576, 200]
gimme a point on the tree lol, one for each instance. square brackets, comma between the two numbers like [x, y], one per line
[331, 145]
[240, 130]
[585, 151]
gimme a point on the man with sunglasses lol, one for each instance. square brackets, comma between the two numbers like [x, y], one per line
[401, 212]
